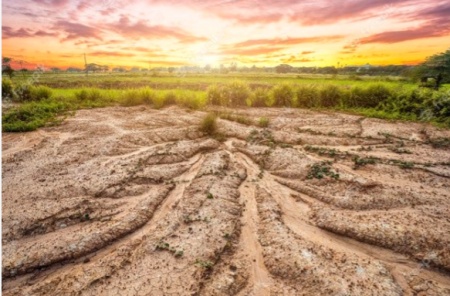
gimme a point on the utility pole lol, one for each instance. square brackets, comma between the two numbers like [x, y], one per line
[85, 65]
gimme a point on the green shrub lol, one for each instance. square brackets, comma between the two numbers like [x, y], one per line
[330, 96]
[40, 92]
[191, 100]
[32, 115]
[259, 98]
[170, 98]
[374, 95]
[23, 93]
[214, 95]
[232, 94]
[131, 98]
[237, 93]
[308, 96]
[90, 94]
[7, 89]
[208, 125]
[263, 122]
[283, 95]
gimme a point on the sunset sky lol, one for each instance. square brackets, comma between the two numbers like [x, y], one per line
[150, 33]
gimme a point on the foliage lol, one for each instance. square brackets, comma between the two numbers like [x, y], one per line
[259, 98]
[32, 115]
[330, 96]
[208, 125]
[307, 96]
[321, 170]
[263, 122]
[232, 94]
[7, 89]
[283, 95]
[434, 65]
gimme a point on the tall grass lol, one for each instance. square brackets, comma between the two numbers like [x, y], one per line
[41, 105]
[283, 95]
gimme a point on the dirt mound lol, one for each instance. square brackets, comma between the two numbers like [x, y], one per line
[135, 201]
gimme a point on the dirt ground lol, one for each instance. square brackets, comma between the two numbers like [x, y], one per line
[136, 201]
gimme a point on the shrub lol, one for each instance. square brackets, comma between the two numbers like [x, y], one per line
[191, 100]
[214, 95]
[32, 115]
[283, 95]
[259, 98]
[40, 92]
[7, 89]
[147, 95]
[131, 98]
[209, 124]
[263, 122]
[237, 93]
[374, 95]
[134, 97]
[308, 96]
[330, 96]
[90, 94]
[232, 94]
[170, 98]
[23, 93]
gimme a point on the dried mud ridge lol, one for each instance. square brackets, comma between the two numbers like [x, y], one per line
[134, 201]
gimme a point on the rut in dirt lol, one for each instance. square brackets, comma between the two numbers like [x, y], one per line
[134, 201]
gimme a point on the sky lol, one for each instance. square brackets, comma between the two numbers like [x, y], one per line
[153, 33]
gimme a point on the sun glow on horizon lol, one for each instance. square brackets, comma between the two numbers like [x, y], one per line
[139, 33]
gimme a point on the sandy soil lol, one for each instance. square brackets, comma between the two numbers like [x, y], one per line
[136, 201]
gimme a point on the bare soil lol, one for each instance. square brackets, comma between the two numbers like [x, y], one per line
[136, 201]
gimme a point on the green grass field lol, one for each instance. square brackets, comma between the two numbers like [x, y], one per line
[46, 98]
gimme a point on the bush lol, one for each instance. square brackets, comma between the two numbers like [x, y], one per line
[283, 95]
[90, 94]
[23, 93]
[41, 92]
[209, 124]
[263, 122]
[170, 98]
[7, 89]
[232, 94]
[214, 95]
[308, 96]
[191, 100]
[237, 93]
[259, 98]
[131, 98]
[374, 95]
[32, 115]
[330, 96]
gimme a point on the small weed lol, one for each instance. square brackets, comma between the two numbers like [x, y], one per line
[406, 165]
[263, 122]
[399, 150]
[322, 151]
[263, 137]
[440, 142]
[360, 162]
[321, 170]
[179, 253]
[209, 125]
[204, 263]
[209, 195]
[164, 246]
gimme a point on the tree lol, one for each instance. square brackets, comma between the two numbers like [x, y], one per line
[433, 66]
[6, 67]
[284, 68]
